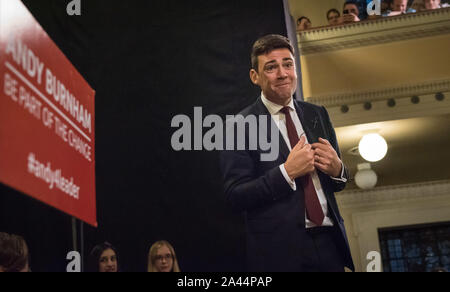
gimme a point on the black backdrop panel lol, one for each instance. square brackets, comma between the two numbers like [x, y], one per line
[149, 61]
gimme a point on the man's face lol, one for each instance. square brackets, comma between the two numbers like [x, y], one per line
[304, 24]
[333, 18]
[351, 9]
[432, 4]
[399, 5]
[276, 76]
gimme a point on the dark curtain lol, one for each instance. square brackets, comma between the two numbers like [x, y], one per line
[149, 61]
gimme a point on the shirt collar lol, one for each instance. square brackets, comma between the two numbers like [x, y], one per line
[274, 108]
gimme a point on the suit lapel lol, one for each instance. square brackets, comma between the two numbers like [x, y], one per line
[310, 122]
[312, 126]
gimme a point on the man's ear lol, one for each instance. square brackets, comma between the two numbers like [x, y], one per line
[254, 77]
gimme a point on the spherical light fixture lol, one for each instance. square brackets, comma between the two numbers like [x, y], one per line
[373, 147]
[365, 178]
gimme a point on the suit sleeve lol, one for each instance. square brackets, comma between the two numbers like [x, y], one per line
[244, 188]
[337, 185]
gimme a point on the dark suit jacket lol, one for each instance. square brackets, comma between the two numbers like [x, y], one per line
[275, 214]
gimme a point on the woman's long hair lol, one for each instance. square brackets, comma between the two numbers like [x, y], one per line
[96, 253]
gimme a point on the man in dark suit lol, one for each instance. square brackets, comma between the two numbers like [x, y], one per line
[292, 218]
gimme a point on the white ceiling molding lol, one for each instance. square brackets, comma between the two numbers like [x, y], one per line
[406, 90]
[405, 108]
[387, 196]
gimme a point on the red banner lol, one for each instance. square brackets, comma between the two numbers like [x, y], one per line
[47, 118]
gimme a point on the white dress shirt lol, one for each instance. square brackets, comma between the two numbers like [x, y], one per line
[280, 120]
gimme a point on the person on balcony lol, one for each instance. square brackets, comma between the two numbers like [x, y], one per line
[434, 4]
[333, 16]
[399, 7]
[303, 23]
[350, 12]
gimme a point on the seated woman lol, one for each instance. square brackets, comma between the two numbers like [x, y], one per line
[104, 259]
[162, 258]
[13, 253]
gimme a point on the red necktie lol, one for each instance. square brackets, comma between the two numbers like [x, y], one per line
[312, 204]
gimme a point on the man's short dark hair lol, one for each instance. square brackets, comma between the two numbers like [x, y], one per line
[332, 10]
[267, 44]
[351, 2]
[13, 252]
[299, 20]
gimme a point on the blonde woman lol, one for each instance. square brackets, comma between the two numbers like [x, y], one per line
[162, 258]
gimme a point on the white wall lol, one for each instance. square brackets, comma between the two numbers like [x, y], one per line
[365, 212]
